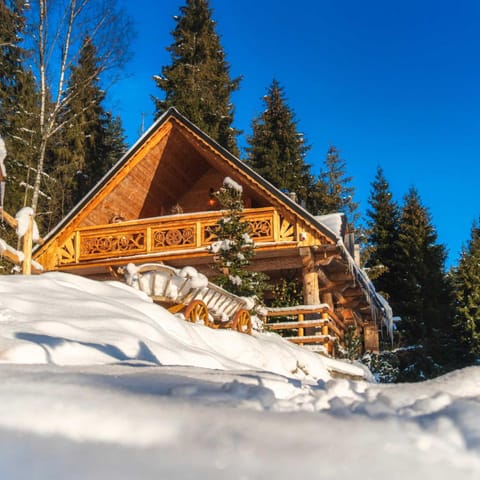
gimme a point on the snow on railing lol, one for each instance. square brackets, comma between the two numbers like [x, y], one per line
[27, 230]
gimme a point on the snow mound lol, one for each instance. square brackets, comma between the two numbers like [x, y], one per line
[113, 322]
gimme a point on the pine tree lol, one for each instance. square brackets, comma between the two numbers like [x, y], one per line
[466, 280]
[382, 236]
[422, 292]
[333, 191]
[19, 106]
[87, 147]
[198, 80]
[53, 52]
[234, 248]
[277, 150]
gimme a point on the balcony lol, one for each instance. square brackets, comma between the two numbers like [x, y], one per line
[172, 234]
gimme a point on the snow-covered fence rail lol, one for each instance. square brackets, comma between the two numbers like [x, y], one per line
[322, 327]
[26, 228]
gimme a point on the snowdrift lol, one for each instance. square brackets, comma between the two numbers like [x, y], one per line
[98, 382]
[63, 319]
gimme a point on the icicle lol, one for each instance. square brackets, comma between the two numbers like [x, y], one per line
[378, 304]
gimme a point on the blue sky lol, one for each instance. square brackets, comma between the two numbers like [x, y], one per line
[389, 83]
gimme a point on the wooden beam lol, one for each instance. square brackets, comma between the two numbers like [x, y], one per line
[309, 277]
[309, 339]
[324, 279]
[8, 218]
[278, 263]
[11, 257]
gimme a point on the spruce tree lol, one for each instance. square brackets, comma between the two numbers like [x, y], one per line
[277, 149]
[383, 217]
[422, 295]
[19, 106]
[466, 280]
[234, 248]
[198, 80]
[333, 191]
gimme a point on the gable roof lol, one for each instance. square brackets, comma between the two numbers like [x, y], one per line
[173, 116]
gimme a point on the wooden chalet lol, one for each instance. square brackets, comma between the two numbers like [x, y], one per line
[156, 205]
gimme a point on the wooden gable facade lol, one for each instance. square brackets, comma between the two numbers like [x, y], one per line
[156, 205]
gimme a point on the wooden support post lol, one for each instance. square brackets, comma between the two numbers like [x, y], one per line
[326, 331]
[310, 278]
[27, 248]
[325, 317]
[371, 340]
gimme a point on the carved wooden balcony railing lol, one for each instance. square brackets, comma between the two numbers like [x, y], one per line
[171, 233]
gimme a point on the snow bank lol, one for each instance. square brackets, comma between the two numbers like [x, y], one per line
[117, 323]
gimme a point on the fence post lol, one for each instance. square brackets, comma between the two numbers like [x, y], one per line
[27, 248]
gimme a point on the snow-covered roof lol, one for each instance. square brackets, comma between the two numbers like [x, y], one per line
[334, 222]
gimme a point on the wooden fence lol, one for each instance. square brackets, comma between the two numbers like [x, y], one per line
[321, 327]
[23, 258]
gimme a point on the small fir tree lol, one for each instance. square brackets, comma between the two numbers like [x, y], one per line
[234, 248]
[277, 149]
[198, 80]
[333, 191]
[466, 280]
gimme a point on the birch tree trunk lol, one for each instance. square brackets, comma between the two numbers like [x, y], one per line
[56, 50]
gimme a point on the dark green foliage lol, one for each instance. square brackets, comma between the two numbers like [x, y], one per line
[405, 244]
[19, 106]
[288, 292]
[198, 81]
[382, 237]
[59, 144]
[277, 150]
[466, 280]
[234, 248]
[402, 365]
[384, 366]
[352, 344]
[333, 191]
[422, 294]
[91, 140]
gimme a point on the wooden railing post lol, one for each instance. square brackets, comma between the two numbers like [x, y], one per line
[27, 247]
[300, 330]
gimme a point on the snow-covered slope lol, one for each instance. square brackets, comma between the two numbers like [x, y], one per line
[98, 382]
[69, 320]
